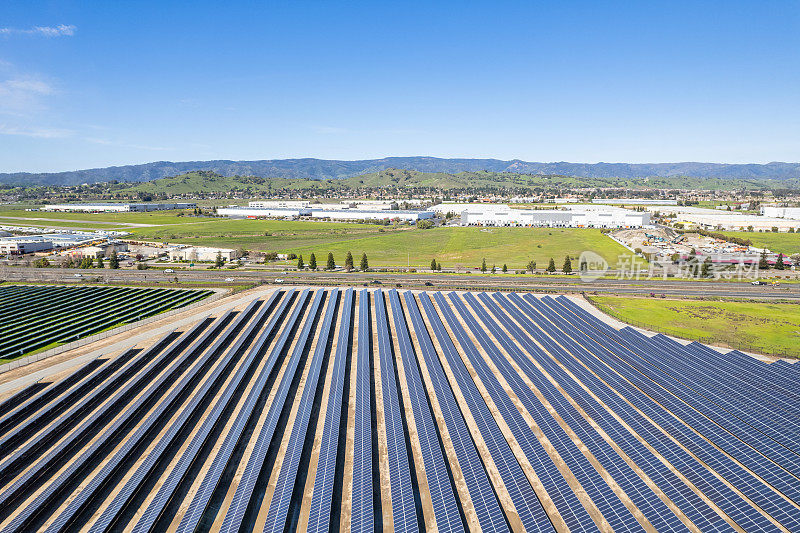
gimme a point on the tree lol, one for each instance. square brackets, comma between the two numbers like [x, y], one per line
[551, 267]
[705, 270]
[438, 266]
[312, 262]
[113, 261]
[331, 263]
[505, 268]
[348, 262]
[364, 262]
[531, 266]
[779, 262]
[100, 263]
[433, 264]
[763, 264]
[483, 265]
[220, 262]
[567, 268]
[494, 269]
[300, 263]
[86, 262]
[42, 262]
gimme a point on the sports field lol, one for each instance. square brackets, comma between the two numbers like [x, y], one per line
[751, 326]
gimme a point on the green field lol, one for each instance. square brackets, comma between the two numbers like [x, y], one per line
[751, 326]
[384, 245]
[786, 243]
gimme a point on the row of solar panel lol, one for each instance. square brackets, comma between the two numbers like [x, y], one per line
[499, 411]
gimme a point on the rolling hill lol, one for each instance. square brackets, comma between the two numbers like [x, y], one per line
[317, 169]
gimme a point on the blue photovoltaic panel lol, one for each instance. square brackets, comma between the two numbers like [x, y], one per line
[199, 504]
[487, 508]
[567, 503]
[445, 508]
[361, 518]
[279, 506]
[244, 490]
[527, 505]
[320, 513]
[404, 514]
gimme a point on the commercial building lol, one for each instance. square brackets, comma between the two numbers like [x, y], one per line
[781, 212]
[200, 253]
[633, 201]
[359, 214]
[713, 219]
[24, 245]
[263, 212]
[279, 204]
[101, 250]
[573, 217]
[117, 208]
[456, 208]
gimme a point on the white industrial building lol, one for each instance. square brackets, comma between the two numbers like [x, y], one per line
[117, 208]
[263, 212]
[573, 217]
[633, 201]
[279, 204]
[24, 245]
[200, 253]
[713, 219]
[456, 208]
[781, 212]
[360, 214]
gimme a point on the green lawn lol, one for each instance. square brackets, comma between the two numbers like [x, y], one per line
[787, 243]
[770, 328]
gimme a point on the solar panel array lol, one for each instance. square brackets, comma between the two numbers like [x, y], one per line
[329, 409]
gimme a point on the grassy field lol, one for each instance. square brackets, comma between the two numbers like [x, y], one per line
[787, 243]
[384, 245]
[751, 326]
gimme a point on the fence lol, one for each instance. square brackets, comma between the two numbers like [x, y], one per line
[704, 339]
[33, 358]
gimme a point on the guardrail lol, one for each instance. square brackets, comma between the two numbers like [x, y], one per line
[33, 358]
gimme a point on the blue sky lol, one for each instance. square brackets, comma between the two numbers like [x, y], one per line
[92, 83]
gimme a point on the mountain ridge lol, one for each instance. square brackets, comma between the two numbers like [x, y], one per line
[312, 168]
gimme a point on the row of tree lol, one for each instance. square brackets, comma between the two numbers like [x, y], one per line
[331, 262]
[566, 268]
[82, 262]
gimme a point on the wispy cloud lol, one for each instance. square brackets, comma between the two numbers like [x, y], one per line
[39, 133]
[108, 142]
[22, 95]
[62, 30]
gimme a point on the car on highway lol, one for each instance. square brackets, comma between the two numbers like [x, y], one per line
[758, 282]
[169, 271]
[77, 275]
[428, 284]
[278, 280]
[228, 279]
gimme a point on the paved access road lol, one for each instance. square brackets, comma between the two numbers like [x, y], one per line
[539, 283]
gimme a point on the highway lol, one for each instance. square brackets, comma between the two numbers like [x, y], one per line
[538, 283]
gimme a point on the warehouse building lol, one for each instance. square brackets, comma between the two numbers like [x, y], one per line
[360, 214]
[713, 219]
[24, 245]
[781, 212]
[573, 217]
[263, 212]
[633, 201]
[117, 208]
[279, 204]
[456, 208]
[200, 253]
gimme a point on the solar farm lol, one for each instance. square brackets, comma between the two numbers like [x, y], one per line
[369, 410]
[34, 317]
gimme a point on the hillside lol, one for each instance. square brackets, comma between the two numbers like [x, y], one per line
[318, 169]
[204, 183]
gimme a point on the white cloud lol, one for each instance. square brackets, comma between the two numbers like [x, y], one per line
[62, 30]
[40, 133]
[23, 95]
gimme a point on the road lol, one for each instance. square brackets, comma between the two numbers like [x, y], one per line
[721, 289]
